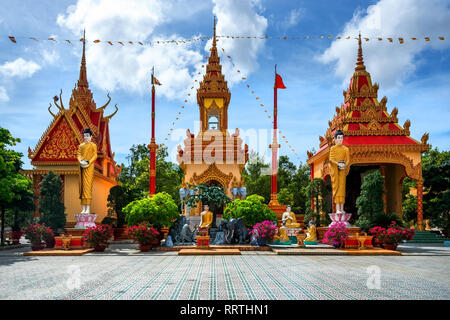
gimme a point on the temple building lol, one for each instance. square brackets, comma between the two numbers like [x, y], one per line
[214, 156]
[375, 141]
[57, 149]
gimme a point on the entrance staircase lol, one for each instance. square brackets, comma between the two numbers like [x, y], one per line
[427, 237]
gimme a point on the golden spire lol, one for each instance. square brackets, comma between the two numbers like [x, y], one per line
[82, 81]
[360, 62]
[213, 80]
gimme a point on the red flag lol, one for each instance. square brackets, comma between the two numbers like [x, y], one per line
[279, 82]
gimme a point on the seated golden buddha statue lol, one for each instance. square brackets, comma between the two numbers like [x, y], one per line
[289, 220]
[282, 235]
[311, 234]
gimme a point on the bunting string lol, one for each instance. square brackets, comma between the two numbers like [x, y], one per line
[401, 40]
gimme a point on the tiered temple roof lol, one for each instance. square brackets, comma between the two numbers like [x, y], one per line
[59, 143]
[365, 120]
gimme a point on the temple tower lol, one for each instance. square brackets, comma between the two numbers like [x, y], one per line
[214, 156]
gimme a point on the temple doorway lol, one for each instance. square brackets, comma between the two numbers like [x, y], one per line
[393, 178]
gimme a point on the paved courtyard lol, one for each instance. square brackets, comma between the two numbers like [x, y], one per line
[124, 273]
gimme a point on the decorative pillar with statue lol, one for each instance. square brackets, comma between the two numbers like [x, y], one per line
[86, 155]
[339, 167]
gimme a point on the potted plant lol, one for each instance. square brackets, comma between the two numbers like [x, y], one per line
[48, 237]
[264, 232]
[336, 235]
[98, 237]
[34, 233]
[394, 235]
[145, 235]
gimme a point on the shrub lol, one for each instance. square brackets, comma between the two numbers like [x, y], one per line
[266, 229]
[160, 211]
[385, 219]
[49, 237]
[252, 210]
[98, 235]
[143, 233]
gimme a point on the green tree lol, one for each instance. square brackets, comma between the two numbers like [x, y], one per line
[214, 196]
[13, 185]
[256, 180]
[252, 210]
[135, 176]
[21, 209]
[436, 197]
[51, 205]
[117, 200]
[318, 192]
[160, 211]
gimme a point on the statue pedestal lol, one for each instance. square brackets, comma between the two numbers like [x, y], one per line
[279, 209]
[203, 242]
[340, 217]
[292, 234]
[85, 220]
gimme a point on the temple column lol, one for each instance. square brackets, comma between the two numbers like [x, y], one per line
[419, 185]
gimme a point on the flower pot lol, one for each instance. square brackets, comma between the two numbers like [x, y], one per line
[145, 247]
[376, 242]
[390, 246]
[261, 241]
[100, 248]
[37, 247]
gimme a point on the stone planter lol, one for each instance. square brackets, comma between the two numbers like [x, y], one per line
[261, 242]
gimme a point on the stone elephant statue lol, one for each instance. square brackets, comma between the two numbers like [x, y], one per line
[235, 231]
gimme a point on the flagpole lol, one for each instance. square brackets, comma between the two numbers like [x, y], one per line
[274, 146]
[152, 146]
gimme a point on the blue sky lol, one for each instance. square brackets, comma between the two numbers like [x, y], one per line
[414, 75]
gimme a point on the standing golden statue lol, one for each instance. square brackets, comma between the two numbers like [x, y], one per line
[339, 165]
[87, 154]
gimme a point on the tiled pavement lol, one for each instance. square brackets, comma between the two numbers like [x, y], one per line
[126, 274]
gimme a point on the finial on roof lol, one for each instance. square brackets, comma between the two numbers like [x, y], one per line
[82, 81]
[360, 62]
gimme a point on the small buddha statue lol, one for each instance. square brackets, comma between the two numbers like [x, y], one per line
[289, 220]
[311, 235]
[282, 235]
[206, 217]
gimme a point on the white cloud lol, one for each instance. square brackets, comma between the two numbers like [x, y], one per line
[237, 17]
[128, 67]
[3, 95]
[50, 57]
[389, 63]
[294, 18]
[19, 68]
